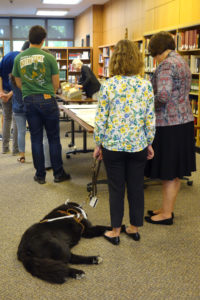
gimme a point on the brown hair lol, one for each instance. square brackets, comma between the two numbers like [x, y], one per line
[37, 34]
[126, 59]
[160, 42]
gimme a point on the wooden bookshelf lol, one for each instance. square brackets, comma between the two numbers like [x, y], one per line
[64, 57]
[188, 46]
[105, 53]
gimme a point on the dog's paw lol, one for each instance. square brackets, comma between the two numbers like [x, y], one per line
[97, 260]
[80, 275]
[76, 274]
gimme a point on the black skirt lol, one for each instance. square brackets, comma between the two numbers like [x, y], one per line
[174, 148]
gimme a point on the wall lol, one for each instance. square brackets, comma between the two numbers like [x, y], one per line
[90, 22]
[83, 26]
[106, 24]
[119, 15]
[143, 16]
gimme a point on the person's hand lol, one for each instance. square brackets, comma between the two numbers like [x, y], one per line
[150, 152]
[78, 86]
[5, 97]
[98, 153]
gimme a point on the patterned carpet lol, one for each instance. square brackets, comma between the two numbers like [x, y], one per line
[165, 264]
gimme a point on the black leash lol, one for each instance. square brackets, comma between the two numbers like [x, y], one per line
[93, 191]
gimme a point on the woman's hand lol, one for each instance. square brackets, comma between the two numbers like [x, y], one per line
[5, 97]
[98, 153]
[150, 152]
[78, 86]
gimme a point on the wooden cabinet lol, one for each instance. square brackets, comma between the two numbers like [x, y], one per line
[64, 57]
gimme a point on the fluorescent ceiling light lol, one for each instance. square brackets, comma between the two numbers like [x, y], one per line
[53, 13]
[68, 2]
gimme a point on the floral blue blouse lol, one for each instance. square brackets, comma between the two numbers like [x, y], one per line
[125, 117]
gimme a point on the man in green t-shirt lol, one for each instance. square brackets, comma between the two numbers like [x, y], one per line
[36, 73]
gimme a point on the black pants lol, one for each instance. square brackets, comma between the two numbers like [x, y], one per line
[124, 168]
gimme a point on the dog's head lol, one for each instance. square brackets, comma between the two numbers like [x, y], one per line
[73, 206]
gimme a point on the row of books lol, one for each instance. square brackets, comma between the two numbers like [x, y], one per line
[188, 40]
[103, 71]
[149, 64]
[61, 66]
[71, 69]
[106, 52]
[194, 105]
[195, 85]
[193, 62]
[81, 55]
[101, 58]
[62, 75]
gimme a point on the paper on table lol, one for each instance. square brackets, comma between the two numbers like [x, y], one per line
[87, 115]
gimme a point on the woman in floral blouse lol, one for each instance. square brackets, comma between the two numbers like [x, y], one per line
[174, 143]
[124, 132]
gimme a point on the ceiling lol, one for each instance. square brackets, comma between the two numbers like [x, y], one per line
[24, 8]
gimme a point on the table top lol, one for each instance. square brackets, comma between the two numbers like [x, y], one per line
[75, 100]
[73, 116]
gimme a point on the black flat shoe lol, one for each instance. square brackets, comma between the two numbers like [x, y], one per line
[113, 240]
[161, 222]
[151, 213]
[135, 236]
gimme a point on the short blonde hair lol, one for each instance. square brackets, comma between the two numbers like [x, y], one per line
[126, 59]
[77, 63]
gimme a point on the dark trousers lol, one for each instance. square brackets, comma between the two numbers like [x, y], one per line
[124, 168]
[44, 113]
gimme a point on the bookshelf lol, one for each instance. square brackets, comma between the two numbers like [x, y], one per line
[64, 57]
[188, 46]
[105, 53]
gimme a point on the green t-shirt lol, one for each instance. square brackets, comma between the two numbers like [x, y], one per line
[35, 67]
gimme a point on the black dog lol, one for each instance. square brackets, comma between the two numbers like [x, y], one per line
[45, 247]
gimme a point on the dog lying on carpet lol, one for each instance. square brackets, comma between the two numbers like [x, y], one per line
[45, 247]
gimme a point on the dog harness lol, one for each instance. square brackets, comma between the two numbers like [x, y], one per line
[70, 213]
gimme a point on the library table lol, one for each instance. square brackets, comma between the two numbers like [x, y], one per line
[65, 99]
[83, 115]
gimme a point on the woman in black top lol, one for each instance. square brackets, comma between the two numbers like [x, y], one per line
[88, 81]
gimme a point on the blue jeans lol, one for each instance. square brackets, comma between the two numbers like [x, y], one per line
[20, 119]
[44, 113]
[7, 121]
[47, 159]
